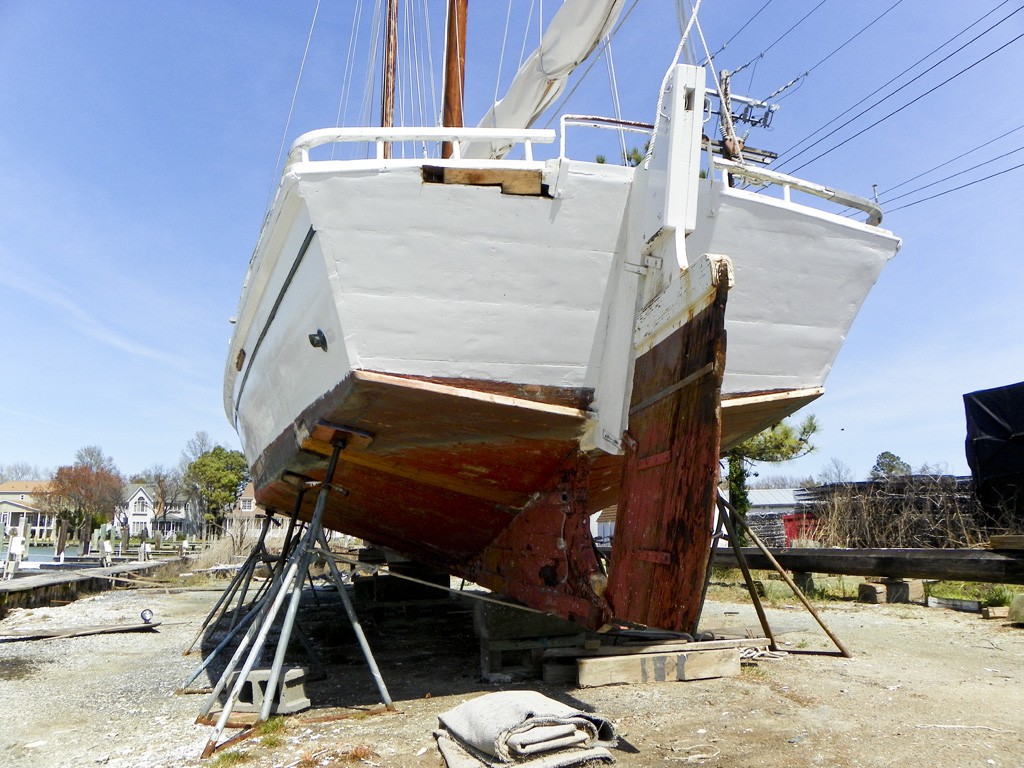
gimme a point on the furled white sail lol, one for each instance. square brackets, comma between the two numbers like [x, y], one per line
[570, 38]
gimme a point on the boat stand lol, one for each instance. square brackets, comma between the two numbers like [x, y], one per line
[239, 585]
[731, 518]
[287, 585]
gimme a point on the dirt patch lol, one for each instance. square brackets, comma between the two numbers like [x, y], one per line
[925, 686]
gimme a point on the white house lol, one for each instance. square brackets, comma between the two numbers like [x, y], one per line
[140, 506]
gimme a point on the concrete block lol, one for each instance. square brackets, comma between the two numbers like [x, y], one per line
[871, 592]
[291, 696]
[904, 591]
[1016, 612]
[492, 621]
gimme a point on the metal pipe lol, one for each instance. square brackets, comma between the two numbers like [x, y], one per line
[356, 626]
[796, 590]
[727, 517]
[250, 661]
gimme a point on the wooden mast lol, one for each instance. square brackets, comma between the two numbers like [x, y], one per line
[387, 111]
[454, 68]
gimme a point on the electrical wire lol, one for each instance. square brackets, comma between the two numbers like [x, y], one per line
[781, 37]
[957, 189]
[951, 176]
[911, 102]
[953, 160]
[863, 29]
[781, 162]
[711, 56]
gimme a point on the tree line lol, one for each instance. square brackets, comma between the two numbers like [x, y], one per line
[90, 492]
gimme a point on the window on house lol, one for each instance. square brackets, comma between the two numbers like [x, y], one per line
[247, 505]
[140, 504]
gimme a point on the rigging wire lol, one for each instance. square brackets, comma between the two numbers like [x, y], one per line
[780, 162]
[863, 29]
[291, 107]
[557, 109]
[957, 189]
[616, 103]
[501, 56]
[909, 103]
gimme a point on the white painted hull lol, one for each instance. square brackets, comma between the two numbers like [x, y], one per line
[462, 282]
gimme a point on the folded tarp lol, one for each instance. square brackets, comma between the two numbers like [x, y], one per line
[525, 728]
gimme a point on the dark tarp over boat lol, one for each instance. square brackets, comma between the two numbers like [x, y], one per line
[995, 448]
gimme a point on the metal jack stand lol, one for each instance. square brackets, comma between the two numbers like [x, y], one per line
[288, 585]
[239, 585]
[730, 518]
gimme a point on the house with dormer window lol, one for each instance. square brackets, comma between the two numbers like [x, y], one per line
[144, 518]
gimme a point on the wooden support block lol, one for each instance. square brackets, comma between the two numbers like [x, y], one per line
[525, 654]
[657, 668]
[669, 647]
[995, 612]
[705, 665]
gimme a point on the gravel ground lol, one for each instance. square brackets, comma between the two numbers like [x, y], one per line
[925, 687]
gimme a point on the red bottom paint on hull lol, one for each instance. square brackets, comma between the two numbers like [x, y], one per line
[493, 486]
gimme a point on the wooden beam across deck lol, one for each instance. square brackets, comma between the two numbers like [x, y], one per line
[984, 565]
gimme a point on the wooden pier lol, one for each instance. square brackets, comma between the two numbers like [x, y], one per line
[63, 586]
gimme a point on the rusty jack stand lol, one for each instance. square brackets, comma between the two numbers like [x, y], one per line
[288, 584]
[729, 516]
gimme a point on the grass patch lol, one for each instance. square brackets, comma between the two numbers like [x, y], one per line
[227, 759]
[989, 595]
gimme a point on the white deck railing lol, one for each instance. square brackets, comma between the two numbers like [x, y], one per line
[458, 137]
[789, 183]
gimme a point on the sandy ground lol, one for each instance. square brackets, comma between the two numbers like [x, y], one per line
[925, 687]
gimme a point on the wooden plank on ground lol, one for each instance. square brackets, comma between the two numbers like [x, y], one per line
[657, 668]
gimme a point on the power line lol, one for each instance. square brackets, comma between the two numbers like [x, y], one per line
[954, 159]
[780, 38]
[909, 103]
[837, 50]
[952, 176]
[957, 189]
[892, 80]
[735, 34]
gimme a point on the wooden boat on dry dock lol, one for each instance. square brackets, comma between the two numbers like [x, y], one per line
[506, 346]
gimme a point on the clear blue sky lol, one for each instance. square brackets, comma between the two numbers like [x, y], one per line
[138, 144]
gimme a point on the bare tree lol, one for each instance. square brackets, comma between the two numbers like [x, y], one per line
[836, 471]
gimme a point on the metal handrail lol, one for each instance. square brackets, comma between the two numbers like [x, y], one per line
[299, 152]
[597, 121]
[788, 183]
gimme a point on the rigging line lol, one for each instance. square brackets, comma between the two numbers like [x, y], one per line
[912, 101]
[526, 35]
[616, 104]
[346, 80]
[957, 189]
[435, 105]
[711, 56]
[951, 176]
[371, 73]
[291, 107]
[555, 111]
[781, 37]
[501, 56]
[837, 50]
[953, 160]
[890, 82]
